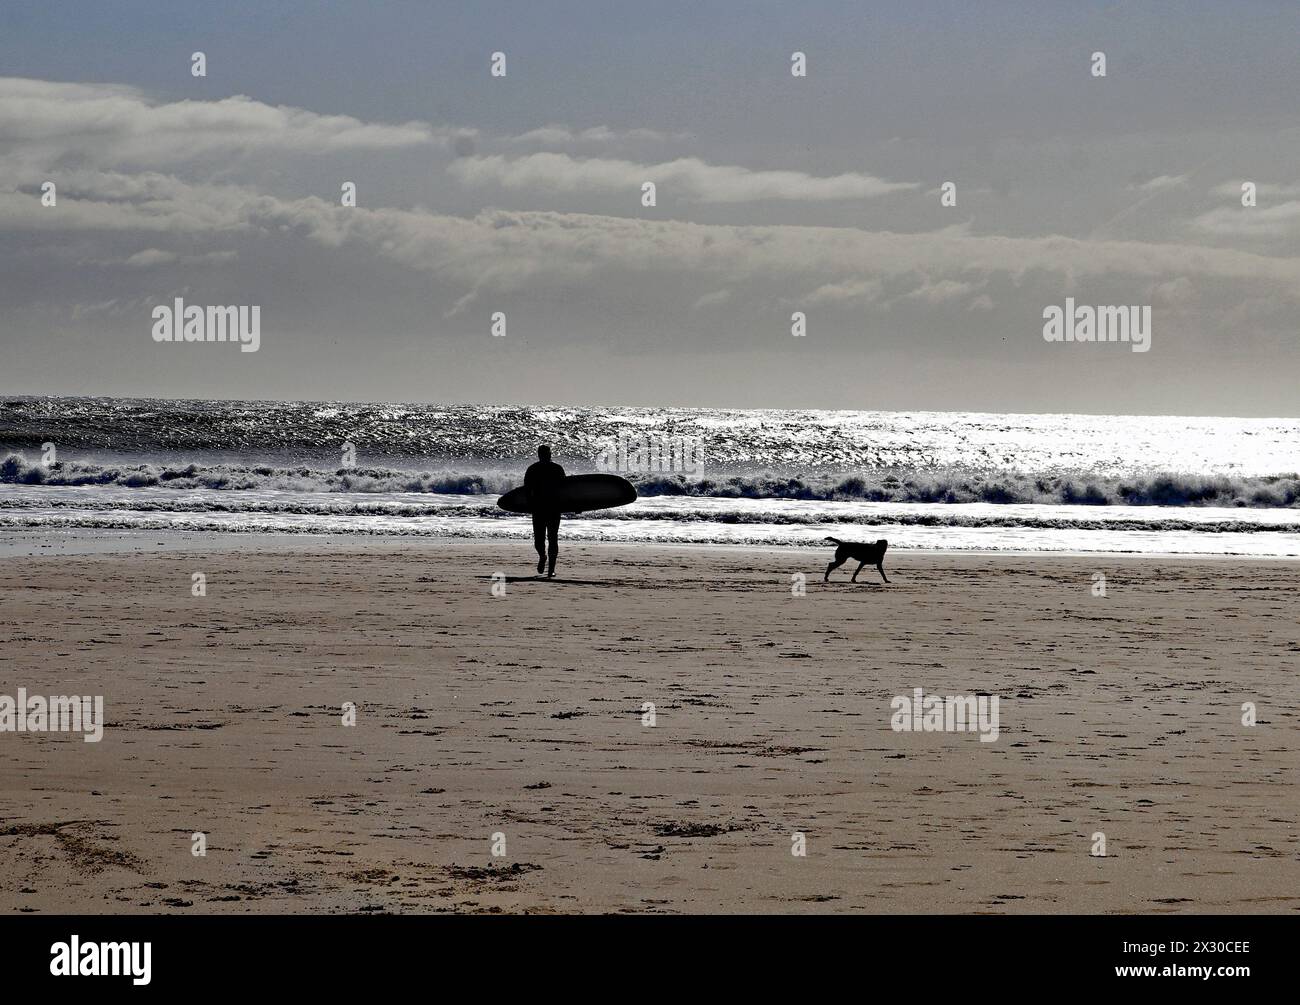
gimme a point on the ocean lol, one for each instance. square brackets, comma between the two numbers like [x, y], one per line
[759, 477]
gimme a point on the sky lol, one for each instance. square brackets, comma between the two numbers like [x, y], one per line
[776, 194]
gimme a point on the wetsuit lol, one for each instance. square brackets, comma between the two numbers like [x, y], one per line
[543, 482]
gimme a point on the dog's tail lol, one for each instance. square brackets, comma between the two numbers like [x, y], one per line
[833, 540]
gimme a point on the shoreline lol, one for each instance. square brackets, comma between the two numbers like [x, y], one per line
[15, 542]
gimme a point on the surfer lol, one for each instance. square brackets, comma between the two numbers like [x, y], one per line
[543, 481]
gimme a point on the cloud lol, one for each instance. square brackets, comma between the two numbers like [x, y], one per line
[502, 249]
[851, 291]
[862, 292]
[556, 135]
[82, 311]
[715, 299]
[687, 178]
[176, 207]
[1270, 222]
[112, 125]
[940, 292]
[150, 257]
[124, 213]
[1162, 182]
[509, 248]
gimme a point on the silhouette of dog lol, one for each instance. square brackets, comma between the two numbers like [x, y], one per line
[864, 553]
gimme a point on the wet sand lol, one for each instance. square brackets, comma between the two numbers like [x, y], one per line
[522, 716]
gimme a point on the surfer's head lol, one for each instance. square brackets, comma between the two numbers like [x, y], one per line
[544, 452]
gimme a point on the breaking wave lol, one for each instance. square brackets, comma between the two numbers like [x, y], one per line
[949, 487]
[237, 477]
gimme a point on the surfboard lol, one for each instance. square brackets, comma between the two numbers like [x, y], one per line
[577, 494]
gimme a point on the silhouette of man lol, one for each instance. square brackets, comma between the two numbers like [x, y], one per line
[542, 480]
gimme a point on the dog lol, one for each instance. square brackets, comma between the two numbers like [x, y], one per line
[864, 553]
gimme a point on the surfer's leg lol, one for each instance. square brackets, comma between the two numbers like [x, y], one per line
[539, 541]
[553, 540]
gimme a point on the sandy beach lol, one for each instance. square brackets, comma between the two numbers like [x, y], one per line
[523, 715]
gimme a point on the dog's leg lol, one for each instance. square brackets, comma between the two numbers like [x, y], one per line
[831, 568]
[856, 571]
[880, 568]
